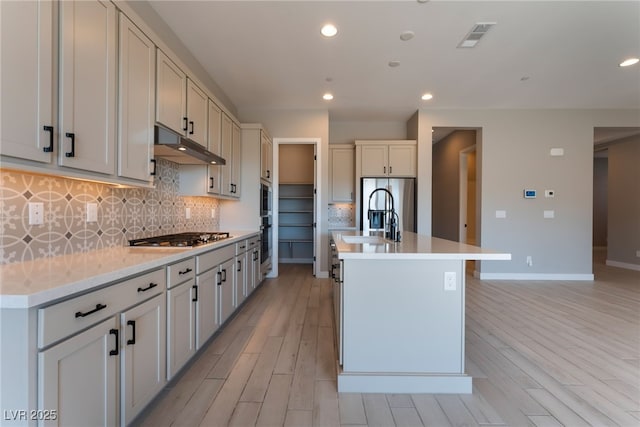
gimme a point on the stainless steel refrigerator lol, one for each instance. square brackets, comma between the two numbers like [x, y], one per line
[403, 191]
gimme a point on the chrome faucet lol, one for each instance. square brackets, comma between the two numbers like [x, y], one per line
[377, 217]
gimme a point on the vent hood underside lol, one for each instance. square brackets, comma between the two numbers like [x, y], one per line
[178, 149]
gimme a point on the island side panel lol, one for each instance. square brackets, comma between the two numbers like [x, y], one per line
[399, 319]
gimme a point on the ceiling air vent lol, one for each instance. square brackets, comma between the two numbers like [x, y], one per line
[473, 37]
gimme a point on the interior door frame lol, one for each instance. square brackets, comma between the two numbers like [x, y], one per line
[317, 214]
[463, 194]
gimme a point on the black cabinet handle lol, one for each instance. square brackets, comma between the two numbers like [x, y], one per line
[188, 270]
[390, 169]
[98, 308]
[71, 153]
[153, 172]
[224, 274]
[151, 286]
[49, 149]
[384, 169]
[191, 131]
[210, 182]
[195, 288]
[186, 120]
[268, 173]
[239, 265]
[219, 278]
[132, 323]
[117, 350]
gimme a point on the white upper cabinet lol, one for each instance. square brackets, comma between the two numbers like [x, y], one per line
[236, 159]
[171, 104]
[214, 145]
[137, 80]
[266, 157]
[196, 113]
[88, 85]
[181, 104]
[391, 158]
[342, 178]
[27, 80]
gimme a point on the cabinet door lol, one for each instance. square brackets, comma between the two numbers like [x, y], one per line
[402, 160]
[225, 289]
[78, 377]
[88, 85]
[227, 151]
[181, 334]
[240, 281]
[374, 160]
[207, 306]
[266, 157]
[257, 277]
[197, 106]
[137, 102]
[214, 145]
[143, 358]
[342, 177]
[236, 137]
[27, 101]
[171, 102]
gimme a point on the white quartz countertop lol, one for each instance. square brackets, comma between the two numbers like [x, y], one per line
[33, 283]
[353, 245]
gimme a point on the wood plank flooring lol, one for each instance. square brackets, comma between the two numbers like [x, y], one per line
[541, 354]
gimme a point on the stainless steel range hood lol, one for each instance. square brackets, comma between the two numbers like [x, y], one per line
[176, 148]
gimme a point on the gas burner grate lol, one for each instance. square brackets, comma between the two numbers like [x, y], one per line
[184, 240]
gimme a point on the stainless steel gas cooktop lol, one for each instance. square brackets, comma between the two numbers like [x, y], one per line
[181, 240]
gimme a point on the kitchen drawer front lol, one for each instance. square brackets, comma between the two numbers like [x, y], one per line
[181, 272]
[212, 259]
[64, 319]
[242, 246]
[254, 242]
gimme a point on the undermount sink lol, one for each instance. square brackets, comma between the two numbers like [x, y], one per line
[372, 240]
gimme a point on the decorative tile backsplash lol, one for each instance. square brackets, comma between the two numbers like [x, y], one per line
[123, 213]
[341, 214]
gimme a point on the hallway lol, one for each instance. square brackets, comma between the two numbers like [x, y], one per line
[541, 353]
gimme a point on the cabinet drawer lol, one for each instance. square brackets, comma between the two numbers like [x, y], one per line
[242, 246]
[214, 258]
[254, 242]
[181, 272]
[68, 317]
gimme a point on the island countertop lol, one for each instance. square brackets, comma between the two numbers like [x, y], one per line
[355, 245]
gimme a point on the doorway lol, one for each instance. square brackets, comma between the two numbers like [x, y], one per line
[468, 186]
[295, 202]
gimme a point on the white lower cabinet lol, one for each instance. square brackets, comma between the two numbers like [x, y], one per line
[181, 324]
[242, 265]
[106, 374]
[78, 378]
[226, 289]
[143, 355]
[206, 306]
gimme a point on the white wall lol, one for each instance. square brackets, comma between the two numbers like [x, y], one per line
[348, 132]
[514, 156]
[303, 124]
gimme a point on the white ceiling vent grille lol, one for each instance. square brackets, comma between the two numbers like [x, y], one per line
[477, 32]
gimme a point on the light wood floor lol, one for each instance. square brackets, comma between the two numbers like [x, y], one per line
[540, 353]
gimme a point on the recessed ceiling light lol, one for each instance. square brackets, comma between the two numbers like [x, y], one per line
[394, 64]
[329, 30]
[427, 96]
[406, 35]
[327, 97]
[628, 62]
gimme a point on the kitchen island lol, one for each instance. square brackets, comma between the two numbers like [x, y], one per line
[400, 313]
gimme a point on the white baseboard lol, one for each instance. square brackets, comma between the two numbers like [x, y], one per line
[532, 276]
[626, 265]
[322, 275]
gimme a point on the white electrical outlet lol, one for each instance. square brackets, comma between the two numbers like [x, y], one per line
[92, 212]
[501, 214]
[36, 213]
[449, 280]
[187, 213]
[529, 261]
[549, 214]
[213, 213]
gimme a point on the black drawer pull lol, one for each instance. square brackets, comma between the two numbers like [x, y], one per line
[195, 291]
[98, 308]
[71, 153]
[186, 121]
[155, 165]
[219, 278]
[132, 323]
[191, 131]
[117, 350]
[210, 182]
[224, 274]
[239, 265]
[188, 270]
[49, 149]
[151, 286]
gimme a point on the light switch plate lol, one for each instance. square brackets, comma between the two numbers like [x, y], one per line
[501, 214]
[549, 214]
[36, 213]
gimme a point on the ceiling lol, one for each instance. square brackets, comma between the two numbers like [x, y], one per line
[540, 54]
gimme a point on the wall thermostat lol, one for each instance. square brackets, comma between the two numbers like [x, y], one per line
[529, 194]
